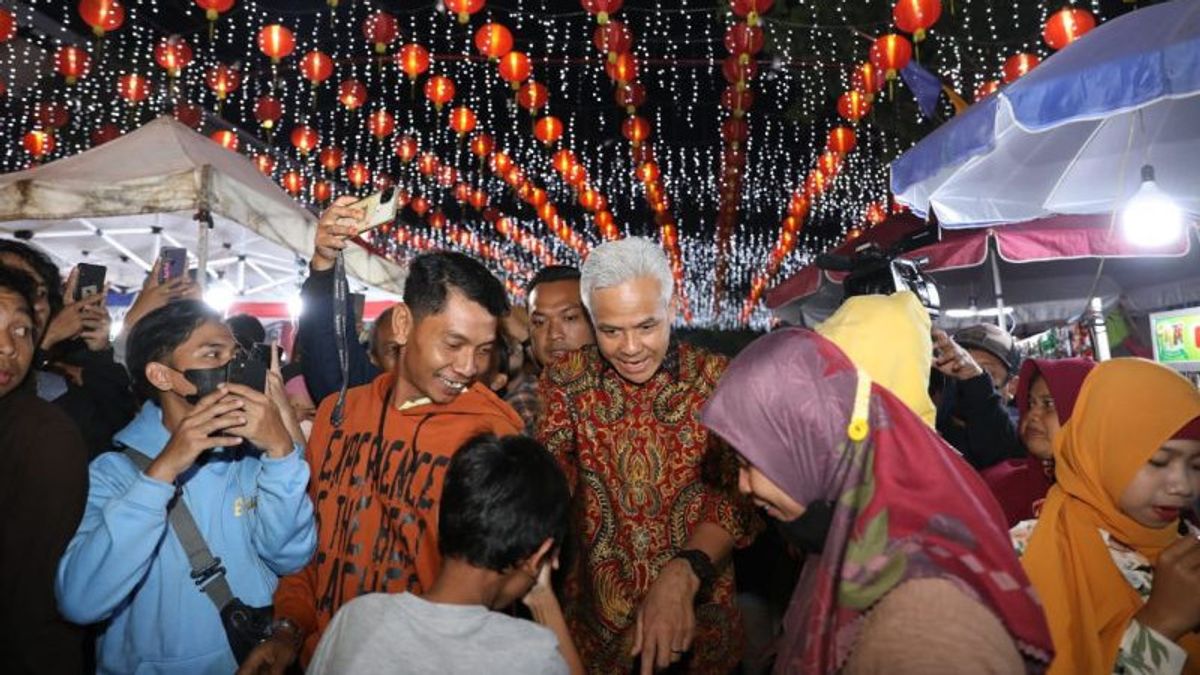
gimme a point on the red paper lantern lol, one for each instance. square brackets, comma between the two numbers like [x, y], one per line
[38, 143]
[381, 124]
[482, 145]
[331, 158]
[293, 182]
[214, 8]
[501, 162]
[358, 174]
[744, 40]
[352, 94]
[532, 96]
[548, 129]
[189, 114]
[737, 100]
[305, 139]
[876, 214]
[439, 89]
[265, 164]
[380, 29]
[413, 60]
[563, 160]
[841, 140]
[735, 130]
[1066, 26]
[493, 40]
[102, 15]
[630, 96]
[420, 205]
[173, 54]
[322, 190]
[612, 38]
[622, 69]
[798, 205]
[276, 42]
[601, 9]
[751, 10]
[589, 199]
[916, 16]
[223, 80]
[406, 148]
[134, 88]
[478, 199]
[438, 220]
[867, 79]
[536, 197]
[226, 139]
[606, 224]
[268, 110]
[515, 68]
[316, 67]
[737, 72]
[853, 106]
[891, 53]
[986, 89]
[648, 172]
[1019, 64]
[464, 8]
[8, 26]
[72, 63]
[462, 120]
[105, 133]
[829, 163]
[636, 129]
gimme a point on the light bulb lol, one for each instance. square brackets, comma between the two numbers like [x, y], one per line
[1151, 218]
[220, 297]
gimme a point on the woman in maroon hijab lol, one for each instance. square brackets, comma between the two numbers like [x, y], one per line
[909, 568]
[1046, 394]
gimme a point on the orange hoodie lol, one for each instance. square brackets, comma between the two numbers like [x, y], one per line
[377, 503]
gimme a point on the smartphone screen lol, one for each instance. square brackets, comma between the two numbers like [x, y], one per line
[380, 208]
[174, 263]
[90, 280]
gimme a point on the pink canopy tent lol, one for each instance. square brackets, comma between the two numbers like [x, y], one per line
[1040, 272]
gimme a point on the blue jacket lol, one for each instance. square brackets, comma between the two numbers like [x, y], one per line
[126, 567]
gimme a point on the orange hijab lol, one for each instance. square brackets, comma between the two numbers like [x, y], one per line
[1126, 410]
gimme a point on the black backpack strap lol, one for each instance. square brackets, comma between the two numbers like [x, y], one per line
[207, 571]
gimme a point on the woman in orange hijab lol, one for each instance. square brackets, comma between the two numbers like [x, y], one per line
[1120, 585]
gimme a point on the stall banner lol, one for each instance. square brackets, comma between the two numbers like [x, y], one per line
[1177, 338]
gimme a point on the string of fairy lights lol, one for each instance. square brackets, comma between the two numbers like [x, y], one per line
[810, 52]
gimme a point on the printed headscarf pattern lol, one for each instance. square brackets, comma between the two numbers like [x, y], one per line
[1126, 410]
[906, 506]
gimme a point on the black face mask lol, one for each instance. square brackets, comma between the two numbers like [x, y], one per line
[808, 532]
[206, 381]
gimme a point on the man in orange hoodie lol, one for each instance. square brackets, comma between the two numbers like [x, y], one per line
[377, 478]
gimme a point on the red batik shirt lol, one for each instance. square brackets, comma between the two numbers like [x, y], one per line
[644, 473]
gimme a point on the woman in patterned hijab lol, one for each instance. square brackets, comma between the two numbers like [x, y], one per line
[909, 566]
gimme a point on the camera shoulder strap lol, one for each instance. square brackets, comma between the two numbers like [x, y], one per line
[207, 571]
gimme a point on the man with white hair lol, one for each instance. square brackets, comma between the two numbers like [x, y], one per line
[657, 509]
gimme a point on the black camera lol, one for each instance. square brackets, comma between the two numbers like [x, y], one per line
[875, 271]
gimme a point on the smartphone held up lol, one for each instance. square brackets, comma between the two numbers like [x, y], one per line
[379, 208]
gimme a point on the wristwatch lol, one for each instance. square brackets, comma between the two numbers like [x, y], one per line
[285, 625]
[702, 566]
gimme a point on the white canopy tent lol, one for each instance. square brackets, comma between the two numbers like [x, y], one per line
[117, 204]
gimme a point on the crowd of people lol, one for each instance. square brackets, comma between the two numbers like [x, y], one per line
[568, 487]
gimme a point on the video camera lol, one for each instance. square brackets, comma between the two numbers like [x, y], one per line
[875, 271]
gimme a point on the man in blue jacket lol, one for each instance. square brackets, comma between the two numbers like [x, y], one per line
[230, 459]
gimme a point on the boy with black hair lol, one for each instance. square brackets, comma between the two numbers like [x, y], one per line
[43, 484]
[222, 451]
[503, 514]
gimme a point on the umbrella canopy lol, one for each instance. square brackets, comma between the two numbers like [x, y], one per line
[118, 203]
[1047, 269]
[1071, 135]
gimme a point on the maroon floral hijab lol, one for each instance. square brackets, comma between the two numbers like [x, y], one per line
[906, 506]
